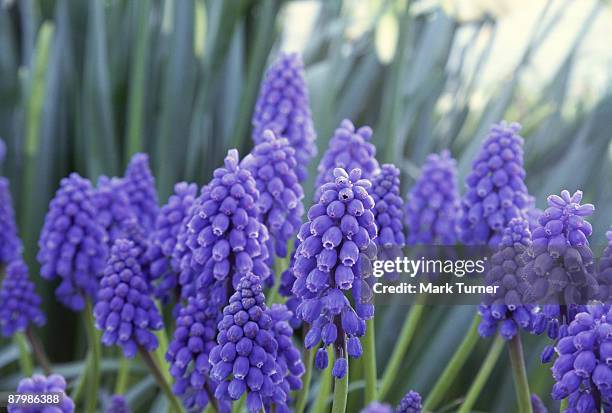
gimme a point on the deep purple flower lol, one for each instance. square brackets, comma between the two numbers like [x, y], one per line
[11, 247]
[335, 253]
[537, 405]
[582, 369]
[272, 163]
[118, 405]
[283, 106]
[348, 149]
[20, 303]
[411, 403]
[125, 311]
[389, 207]
[139, 185]
[505, 309]
[377, 407]
[170, 221]
[73, 243]
[496, 190]
[113, 205]
[38, 384]
[433, 202]
[245, 359]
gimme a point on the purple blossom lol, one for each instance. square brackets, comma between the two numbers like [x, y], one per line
[39, 384]
[125, 311]
[496, 191]
[433, 202]
[377, 407]
[11, 247]
[139, 185]
[118, 405]
[582, 369]
[272, 163]
[283, 106]
[505, 309]
[411, 403]
[335, 253]
[245, 359]
[389, 207]
[537, 405]
[348, 149]
[170, 221]
[73, 243]
[113, 204]
[20, 303]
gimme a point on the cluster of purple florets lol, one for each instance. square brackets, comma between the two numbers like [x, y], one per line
[113, 207]
[388, 207]
[139, 185]
[410, 403]
[118, 404]
[10, 244]
[38, 384]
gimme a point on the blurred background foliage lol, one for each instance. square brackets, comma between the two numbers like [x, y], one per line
[84, 84]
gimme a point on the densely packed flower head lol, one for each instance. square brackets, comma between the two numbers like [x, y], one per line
[496, 190]
[505, 308]
[225, 236]
[411, 403]
[283, 106]
[433, 202]
[114, 210]
[170, 221]
[272, 163]
[584, 355]
[389, 207]
[348, 149]
[11, 247]
[139, 185]
[377, 407]
[39, 384]
[125, 312]
[336, 246]
[245, 359]
[73, 243]
[20, 303]
[118, 405]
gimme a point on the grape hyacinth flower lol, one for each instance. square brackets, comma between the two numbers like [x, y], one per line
[389, 207]
[118, 405]
[582, 368]
[505, 308]
[125, 311]
[496, 191]
[433, 202]
[244, 360]
[39, 384]
[114, 210]
[139, 185]
[73, 243]
[170, 221]
[348, 149]
[411, 403]
[272, 163]
[11, 247]
[20, 304]
[181, 261]
[283, 107]
[335, 252]
[377, 407]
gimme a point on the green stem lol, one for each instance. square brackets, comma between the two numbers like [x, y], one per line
[483, 375]
[369, 356]
[38, 350]
[279, 265]
[123, 375]
[452, 369]
[80, 386]
[405, 337]
[239, 405]
[25, 359]
[564, 405]
[325, 384]
[161, 381]
[302, 396]
[520, 374]
[93, 368]
[341, 388]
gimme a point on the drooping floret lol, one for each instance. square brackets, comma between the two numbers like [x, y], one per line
[11, 247]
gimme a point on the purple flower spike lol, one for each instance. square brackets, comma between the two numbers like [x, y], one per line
[73, 243]
[496, 190]
[411, 403]
[584, 355]
[125, 311]
[336, 247]
[283, 106]
[113, 205]
[272, 163]
[389, 207]
[433, 202]
[245, 359]
[170, 222]
[505, 309]
[377, 407]
[139, 184]
[11, 247]
[348, 149]
[39, 384]
[118, 405]
[20, 303]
